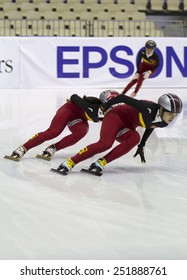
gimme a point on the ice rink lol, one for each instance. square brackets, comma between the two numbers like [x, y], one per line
[134, 211]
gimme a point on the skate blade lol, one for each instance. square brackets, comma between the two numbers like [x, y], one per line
[91, 172]
[59, 172]
[12, 158]
[43, 157]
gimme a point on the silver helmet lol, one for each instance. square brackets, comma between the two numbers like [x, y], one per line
[107, 95]
[170, 102]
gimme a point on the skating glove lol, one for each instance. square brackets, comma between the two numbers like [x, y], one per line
[140, 152]
[147, 74]
[135, 77]
[103, 107]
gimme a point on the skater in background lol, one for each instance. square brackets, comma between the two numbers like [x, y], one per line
[148, 62]
[74, 114]
[120, 123]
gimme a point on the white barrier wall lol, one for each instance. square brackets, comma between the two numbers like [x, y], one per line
[54, 62]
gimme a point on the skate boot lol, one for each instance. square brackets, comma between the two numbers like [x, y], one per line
[19, 152]
[49, 151]
[133, 94]
[66, 166]
[98, 166]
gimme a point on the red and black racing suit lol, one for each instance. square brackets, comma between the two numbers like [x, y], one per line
[125, 119]
[72, 114]
[144, 63]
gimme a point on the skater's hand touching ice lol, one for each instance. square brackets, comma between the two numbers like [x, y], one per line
[140, 152]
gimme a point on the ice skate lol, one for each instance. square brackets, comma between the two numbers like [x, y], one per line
[96, 168]
[48, 153]
[133, 94]
[65, 167]
[98, 165]
[17, 154]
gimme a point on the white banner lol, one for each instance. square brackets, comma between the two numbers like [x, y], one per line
[70, 62]
[9, 62]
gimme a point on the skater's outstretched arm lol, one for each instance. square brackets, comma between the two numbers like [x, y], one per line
[140, 149]
[140, 105]
[91, 109]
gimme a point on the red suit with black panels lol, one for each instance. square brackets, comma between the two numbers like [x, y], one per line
[147, 64]
[120, 123]
[72, 114]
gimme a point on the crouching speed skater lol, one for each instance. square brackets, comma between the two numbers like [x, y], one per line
[123, 114]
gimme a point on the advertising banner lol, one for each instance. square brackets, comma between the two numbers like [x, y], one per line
[9, 62]
[70, 62]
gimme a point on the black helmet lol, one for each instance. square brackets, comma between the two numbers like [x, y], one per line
[150, 44]
[107, 95]
[170, 102]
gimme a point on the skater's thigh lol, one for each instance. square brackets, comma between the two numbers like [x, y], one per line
[62, 117]
[110, 126]
[80, 128]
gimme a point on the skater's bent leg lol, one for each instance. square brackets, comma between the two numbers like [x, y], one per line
[92, 150]
[78, 131]
[109, 129]
[127, 141]
[132, 83]
[41, 137]
[139, 83]
[56, 127]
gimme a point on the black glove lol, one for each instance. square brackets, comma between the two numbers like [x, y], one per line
[103, 107]
[140, 152]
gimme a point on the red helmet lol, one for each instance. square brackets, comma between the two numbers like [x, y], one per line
[107, 95]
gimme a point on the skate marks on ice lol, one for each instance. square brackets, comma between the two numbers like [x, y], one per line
[133, 211]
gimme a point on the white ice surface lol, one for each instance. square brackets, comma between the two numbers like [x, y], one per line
[134, 211]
